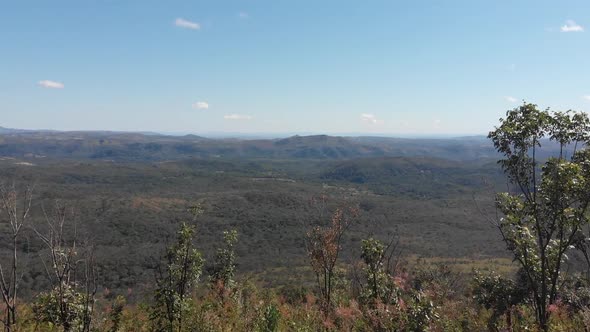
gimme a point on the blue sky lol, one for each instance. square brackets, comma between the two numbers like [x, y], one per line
[387, 67]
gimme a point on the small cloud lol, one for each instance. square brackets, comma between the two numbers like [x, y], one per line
[243, 15]
[586, 97]
[370, 118]
[237, 117]
[571, 26]
[51, 84]
[201, 105]
[180, 22]
[510, 99]
[436, 123]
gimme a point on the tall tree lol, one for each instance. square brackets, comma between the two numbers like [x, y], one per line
[543, 216]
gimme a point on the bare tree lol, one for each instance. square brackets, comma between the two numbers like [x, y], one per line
[90, 287]
[15, 206]
[70, 302]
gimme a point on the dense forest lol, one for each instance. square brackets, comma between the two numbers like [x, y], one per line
[106, 231]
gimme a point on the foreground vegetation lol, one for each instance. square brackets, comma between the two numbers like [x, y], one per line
[379, 293]
[543, 221]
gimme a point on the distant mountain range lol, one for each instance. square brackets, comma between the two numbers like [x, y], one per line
[247, 136]
[135, 146]
[11, 131]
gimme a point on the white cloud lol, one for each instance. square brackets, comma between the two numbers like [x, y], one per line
[510, 99]
[237, 117]
[243, 15]
[370, 118]
[586, 97]
[51, 84]
[571, 26]
[180, 22]
[201, 105]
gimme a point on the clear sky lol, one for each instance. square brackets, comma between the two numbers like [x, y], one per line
[319, 66]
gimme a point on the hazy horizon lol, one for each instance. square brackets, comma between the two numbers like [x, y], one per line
[266, 135]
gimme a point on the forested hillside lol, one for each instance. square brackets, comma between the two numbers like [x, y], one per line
[131, 210]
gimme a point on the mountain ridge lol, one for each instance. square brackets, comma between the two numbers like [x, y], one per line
[144, 147]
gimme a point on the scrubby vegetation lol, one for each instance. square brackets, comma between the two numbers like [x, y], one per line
[371, 298]
[351, 271]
